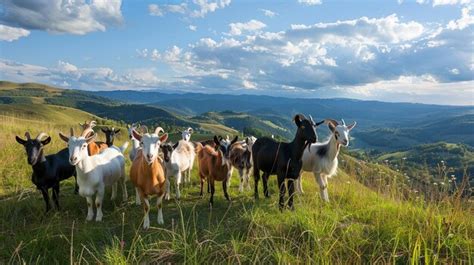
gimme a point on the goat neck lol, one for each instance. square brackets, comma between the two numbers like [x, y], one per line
[333, 148]
[297, 146]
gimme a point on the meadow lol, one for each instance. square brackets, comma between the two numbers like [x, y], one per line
[380, 222]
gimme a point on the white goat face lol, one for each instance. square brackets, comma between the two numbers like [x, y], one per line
[151, 146]
[186, 134]
[341, 133]
[77, 149]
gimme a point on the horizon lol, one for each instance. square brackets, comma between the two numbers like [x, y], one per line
[391, 51]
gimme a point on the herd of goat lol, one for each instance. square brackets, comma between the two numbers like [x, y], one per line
[97, 165]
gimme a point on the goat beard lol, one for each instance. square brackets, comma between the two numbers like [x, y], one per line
[307, 144]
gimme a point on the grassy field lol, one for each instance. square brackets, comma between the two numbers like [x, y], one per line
[380, 224]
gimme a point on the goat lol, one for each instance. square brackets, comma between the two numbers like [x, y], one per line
[214, 165]
[110, 135]
[210, 142]
[321, 158]
[283, 159]
[48, 171]
[148, 173]
[93, 147]
[178, 159]
[96, 172]
[186, 134]
[241, 159]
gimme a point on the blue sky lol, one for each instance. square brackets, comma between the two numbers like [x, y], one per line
[411, 51]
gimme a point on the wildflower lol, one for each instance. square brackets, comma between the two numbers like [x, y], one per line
[404, 158]
[434, 183]
[416, 191]
[450, 181]
[442, 183]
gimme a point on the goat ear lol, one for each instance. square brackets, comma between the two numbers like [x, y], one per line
[136, 135]
[298, 120]
[247, 140]
[117, 131]
[175, 145]
[235, 140]
[64, 137]
[350, 127]
[164, 137]
[20, 141]
[46, 141]
[216, 140]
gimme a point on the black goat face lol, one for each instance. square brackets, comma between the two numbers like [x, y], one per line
[110, 134]
[167, 150]
[306, 128]
[33, 148]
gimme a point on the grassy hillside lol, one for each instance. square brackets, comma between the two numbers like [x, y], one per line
[14, 94]
[380, 222]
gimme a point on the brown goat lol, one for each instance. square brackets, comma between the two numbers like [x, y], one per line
[147, 172]
[93, 148]
[214, 165]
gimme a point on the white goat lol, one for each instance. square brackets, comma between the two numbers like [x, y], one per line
[186, 134]
[178, 159]
[96, 172]
[133, 153]
[321, 158]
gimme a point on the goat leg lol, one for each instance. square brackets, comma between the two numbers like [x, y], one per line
[265, 184]
[256, 176]
[56, 195]
[291, 193]
[44, 192]
[281, 184]
[224, 187]
[211, 200]
[76, 187]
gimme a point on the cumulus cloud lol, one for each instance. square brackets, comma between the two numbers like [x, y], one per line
[343, 58]
[196, 9]
[239, 28]
[450, 2]
[465, 20]
[192, 27]
[310, 2]
[268, 13]
[11, 33]
[75, 17]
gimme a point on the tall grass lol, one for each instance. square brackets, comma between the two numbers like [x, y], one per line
[372, 218]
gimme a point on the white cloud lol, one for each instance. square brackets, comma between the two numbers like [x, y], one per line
[11, 33]
[310, 2]
[454, 71]
[239, 28]
[192, 27]
[462, 23]
[155, 10]
[75, 17]
[450, 2]
[208, 6]
[268, 13]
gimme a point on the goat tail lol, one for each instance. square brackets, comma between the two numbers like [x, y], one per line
[124, 147]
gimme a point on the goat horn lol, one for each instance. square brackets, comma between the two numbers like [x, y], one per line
[158, 130]
[311, 119]
[343, 122]
[40, 136]
[334, 122]
[71, 131]
[27, 135]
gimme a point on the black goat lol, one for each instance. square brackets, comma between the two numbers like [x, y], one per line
[283, 159]
[110, 135]
[48, 170]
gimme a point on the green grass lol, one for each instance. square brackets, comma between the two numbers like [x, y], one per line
[358, 225]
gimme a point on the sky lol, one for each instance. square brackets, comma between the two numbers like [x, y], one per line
[389, 50]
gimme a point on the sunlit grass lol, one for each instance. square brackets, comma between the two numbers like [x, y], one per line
[380, 224]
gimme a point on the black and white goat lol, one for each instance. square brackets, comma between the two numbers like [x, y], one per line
[48, 170]
[283, 159]
[321, 158]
